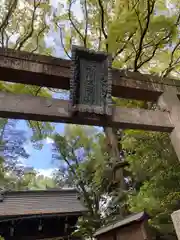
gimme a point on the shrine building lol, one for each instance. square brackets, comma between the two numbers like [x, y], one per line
[45, 214]
[133, 227]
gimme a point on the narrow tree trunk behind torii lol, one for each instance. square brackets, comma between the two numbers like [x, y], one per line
[114, 149]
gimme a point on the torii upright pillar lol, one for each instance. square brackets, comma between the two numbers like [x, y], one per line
[170, 102]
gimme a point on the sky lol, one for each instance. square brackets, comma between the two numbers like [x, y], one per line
[42, 160]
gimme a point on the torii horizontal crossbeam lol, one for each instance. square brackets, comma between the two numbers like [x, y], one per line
[46, 71]
[55, 110]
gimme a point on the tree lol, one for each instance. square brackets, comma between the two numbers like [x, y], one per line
[12, 151]
[31, 180]
[155, 169]
[14, 175]
[43, 182]
[85, 168]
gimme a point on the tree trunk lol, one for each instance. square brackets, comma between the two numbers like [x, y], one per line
[114, 149]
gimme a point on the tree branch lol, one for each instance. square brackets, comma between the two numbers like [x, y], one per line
[29, 33]
[125, 44]
[81, 183]
[86, 26]
[144, 31]
[148, 58]
[11, 9]
[103, 22]
[128, 57]
[38, 91]
[62, 43]
[34, 129]
[139, 21]
[172, 64]
[37, 39]
[72, 23]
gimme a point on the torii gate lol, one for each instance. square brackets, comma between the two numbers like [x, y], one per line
[45, 71]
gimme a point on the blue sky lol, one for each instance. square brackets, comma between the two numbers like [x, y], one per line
[41, 160]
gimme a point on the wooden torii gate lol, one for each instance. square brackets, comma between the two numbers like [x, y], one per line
[45, 71]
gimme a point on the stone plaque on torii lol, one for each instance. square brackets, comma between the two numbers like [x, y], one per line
[91, 82]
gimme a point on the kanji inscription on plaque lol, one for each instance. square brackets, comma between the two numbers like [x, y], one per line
[91, 82]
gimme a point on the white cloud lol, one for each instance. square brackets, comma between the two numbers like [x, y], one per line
[49, 140]
[46, 172]
[22, 161]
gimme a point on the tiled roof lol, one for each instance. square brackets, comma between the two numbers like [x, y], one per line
[62, 201]
[129, 219]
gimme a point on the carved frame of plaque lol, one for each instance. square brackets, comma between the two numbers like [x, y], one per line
[91, 73]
